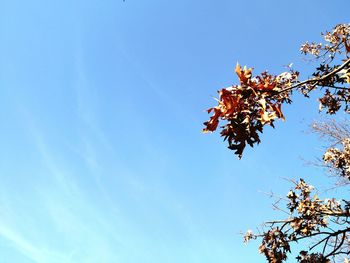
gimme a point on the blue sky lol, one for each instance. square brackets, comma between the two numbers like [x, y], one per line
[102, 103]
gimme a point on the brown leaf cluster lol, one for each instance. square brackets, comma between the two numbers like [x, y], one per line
[339, 159]
[334, 41]
[309, 217]
[274, 245]
[242, 112]
[247, 107]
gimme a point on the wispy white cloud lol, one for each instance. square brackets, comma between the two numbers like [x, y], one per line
[79, 220]
[67, 214]
[27, 249]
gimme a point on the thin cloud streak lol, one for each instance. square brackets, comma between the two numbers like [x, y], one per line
[26, 248]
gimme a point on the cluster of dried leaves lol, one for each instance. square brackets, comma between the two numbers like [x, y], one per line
[257, 100]
[339, 159]
[247, 107]
[325, 221]
[244, 109]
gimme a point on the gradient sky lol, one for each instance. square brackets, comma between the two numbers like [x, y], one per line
[101, 109]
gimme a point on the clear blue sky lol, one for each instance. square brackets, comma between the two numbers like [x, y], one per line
[101, 109]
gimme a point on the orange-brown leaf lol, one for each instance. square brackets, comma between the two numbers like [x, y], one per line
[277, 109]
[243, 74]
[213, 122]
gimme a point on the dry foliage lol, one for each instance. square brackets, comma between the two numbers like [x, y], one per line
[244, 109]
[257, 101]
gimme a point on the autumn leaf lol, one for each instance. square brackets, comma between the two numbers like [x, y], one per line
[243, 74]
